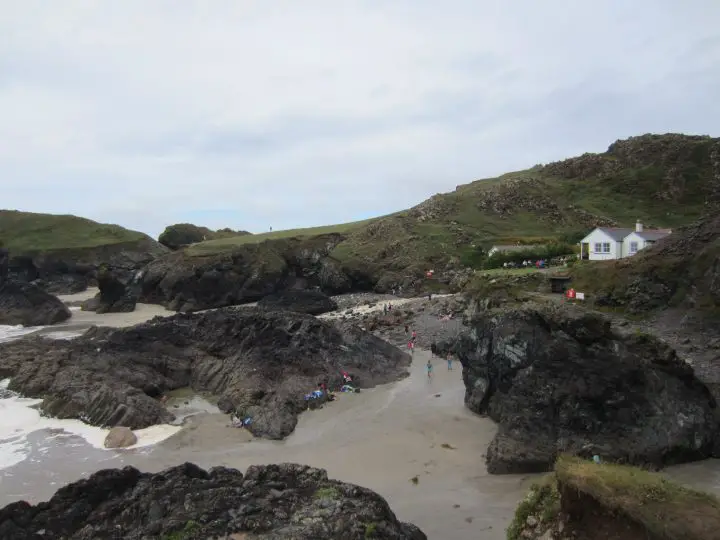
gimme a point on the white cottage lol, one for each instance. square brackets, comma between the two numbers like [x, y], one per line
[606, 243]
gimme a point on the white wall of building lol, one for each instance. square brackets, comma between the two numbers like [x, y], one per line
[602, 246]
[632, 244]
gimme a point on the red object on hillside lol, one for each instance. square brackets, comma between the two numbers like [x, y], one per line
[570, 293]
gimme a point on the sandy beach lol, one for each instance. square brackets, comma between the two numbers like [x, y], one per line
[412, 441]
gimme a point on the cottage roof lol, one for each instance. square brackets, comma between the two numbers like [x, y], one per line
[653, 234]
[620, 233]
[616, 233]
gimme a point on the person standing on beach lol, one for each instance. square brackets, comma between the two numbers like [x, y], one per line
[414, 336]
[429, 368]
[411, 346]
[449, 361]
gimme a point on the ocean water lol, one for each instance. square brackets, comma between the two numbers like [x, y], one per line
[20, 417]
[24, 432]
[9, 333]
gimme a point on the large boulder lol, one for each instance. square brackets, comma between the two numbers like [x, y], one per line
[259, 363]
[120, 437]
[191, 281]
[561, 380]
[114, 296]
[302, 301]
[28, 305]
[269, 502]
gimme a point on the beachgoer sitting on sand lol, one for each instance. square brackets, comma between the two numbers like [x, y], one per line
[346, 377]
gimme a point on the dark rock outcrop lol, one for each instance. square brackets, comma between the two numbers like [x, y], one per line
[114, 296]
[259, 363]
[183, 234]
[187, 282]
[268, 502]
[561, 380]
[26, 304]
[302, 301]
[70, 271]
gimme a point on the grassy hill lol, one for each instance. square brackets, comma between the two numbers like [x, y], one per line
[230, 242]
[25, 233]
[665, 180]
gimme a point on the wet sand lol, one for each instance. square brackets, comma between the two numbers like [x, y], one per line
[381, 438]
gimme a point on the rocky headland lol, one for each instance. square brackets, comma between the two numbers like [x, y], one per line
[187, 502]
[258, 363]
[62, 254]
[183, 281]
[561, 379]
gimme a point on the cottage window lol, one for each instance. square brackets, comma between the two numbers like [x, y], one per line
[633, 247]
[602, 247]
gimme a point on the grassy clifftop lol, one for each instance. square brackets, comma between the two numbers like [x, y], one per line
[25, 233]
[601, 501]
[665, 180]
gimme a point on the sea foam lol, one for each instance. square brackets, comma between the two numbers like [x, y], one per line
[19, 417]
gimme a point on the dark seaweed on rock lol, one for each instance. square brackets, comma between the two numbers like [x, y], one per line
[268, 502]
[259, 363]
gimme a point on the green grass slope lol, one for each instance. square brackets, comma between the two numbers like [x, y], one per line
[665, 180]
[231, 242]
[626, 502]
[26, 233]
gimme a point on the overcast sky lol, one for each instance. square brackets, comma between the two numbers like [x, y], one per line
[288, 113]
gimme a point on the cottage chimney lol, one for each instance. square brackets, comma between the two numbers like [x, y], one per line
[638, 226]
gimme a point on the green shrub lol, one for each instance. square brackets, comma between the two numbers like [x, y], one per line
[532, 253]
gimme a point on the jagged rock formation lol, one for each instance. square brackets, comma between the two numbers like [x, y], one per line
[259, 363]
[269, 502]
[183, 234]
[561, 380]
[114, 296]
[302, 301]
[250, 272]
[26, 304]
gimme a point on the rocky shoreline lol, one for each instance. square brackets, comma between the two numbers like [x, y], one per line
[267, 502]
[259, 363]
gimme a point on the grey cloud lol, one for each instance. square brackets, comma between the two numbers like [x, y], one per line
[307, 114]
